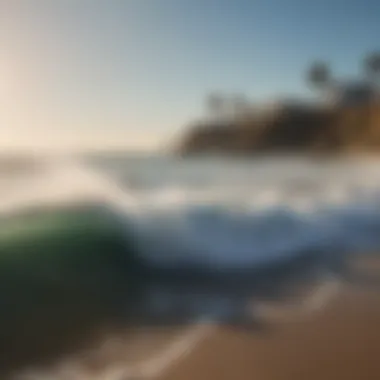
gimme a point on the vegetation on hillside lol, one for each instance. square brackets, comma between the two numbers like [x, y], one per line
[237, 127]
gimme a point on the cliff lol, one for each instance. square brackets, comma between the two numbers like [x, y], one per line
[298, 129]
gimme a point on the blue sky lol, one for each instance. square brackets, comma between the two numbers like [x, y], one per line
[134, 72]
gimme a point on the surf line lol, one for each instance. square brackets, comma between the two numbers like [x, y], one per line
[181, 348]
[172, 355]
[176, 350]
[316, 301]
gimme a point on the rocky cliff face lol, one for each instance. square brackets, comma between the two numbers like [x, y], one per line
[293, 130]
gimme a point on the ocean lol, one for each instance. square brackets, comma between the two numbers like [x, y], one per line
[222, 214]
[232, 209]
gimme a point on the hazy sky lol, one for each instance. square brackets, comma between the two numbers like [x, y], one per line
[132, 72]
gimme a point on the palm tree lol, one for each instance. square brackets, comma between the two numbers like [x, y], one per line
[372, 74]
[372, 67]
[319, 75]
[240, 105]
[215, 104]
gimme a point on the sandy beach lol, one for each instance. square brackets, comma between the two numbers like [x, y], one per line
[339, 341]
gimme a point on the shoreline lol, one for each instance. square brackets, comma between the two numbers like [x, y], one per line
[338, 341]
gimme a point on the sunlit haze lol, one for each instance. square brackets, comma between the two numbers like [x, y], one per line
[131, 74]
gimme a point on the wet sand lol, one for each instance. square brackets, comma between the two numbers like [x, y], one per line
[340, 341]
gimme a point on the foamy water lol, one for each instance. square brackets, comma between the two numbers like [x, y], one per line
[234, 211]
[222, 214]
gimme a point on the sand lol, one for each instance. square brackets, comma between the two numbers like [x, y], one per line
[339, 341]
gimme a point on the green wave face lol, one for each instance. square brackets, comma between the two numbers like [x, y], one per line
[59, 233]
[64, 273]
[74, 249]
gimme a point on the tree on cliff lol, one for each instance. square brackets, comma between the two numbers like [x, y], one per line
[215, 105]
[226, 107]
[319, 76]
[240, 105]
[372, 73]
[372, 67]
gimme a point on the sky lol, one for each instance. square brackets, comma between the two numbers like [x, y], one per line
[133, 73]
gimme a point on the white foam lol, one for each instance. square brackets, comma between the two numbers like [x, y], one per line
[314, 302]
[225, 213]
[249, 214]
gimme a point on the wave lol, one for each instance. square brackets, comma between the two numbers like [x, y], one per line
[224, 221]
[245, 220]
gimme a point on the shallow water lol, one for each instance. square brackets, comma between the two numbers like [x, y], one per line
[222, 215]
[229, 210]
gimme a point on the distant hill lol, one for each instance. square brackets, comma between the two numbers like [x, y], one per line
[296, 129]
